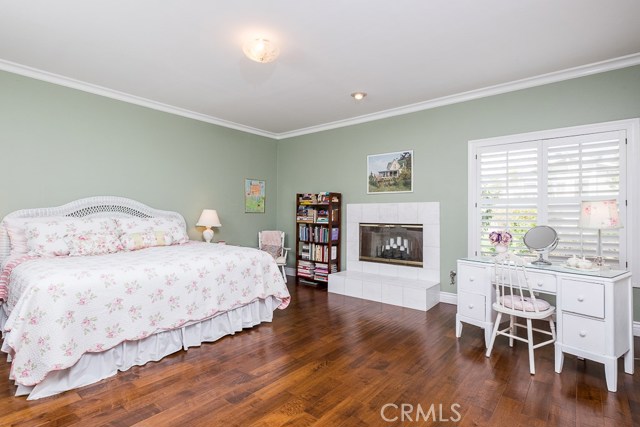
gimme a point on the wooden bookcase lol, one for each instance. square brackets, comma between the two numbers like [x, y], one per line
[318, 234]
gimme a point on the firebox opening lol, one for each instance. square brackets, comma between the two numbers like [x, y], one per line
[399, 244]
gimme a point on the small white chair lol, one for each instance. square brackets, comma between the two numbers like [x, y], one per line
[515, 297]
[272, 241]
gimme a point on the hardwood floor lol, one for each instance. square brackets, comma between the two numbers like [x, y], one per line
[330, 360]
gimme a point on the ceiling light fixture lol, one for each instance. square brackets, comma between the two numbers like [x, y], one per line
[261, 50]
[358, 96]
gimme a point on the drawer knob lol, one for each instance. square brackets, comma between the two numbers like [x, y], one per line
[471, 279]
[583, 334]
[540, 284]
[580, 298]
[470, 305]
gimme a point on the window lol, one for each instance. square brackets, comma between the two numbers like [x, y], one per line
[520, 181]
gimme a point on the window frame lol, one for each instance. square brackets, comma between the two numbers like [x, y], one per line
[630, 174]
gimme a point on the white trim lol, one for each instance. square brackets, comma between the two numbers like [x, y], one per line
[449, 298]
[526, 83]
[554, 77]
[291, 271]
[57, 79]
[636, 329]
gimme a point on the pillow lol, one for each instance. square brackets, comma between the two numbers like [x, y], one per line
[174, 227]
[48, 238]
[92, 243]
[273, 250]
[17, 237]
[135, 241]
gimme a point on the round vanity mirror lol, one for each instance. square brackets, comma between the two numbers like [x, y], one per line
[541, 239]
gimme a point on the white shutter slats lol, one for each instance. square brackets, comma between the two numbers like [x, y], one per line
[520, 183]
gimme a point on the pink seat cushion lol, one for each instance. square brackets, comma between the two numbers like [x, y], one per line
[517, 302]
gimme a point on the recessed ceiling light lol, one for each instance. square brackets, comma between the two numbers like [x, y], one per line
[358, 96]
[261, 50]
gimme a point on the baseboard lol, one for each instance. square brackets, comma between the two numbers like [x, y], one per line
[290, 271]
[636, 329]
[449, 298]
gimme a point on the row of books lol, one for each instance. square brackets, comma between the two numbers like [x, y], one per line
[317, 199]
[306, 269]
[316, 271]
[314, 252]
[322, 271]
[306, 214]
[317, 234]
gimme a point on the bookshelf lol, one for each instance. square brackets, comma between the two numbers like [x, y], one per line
[317, 236]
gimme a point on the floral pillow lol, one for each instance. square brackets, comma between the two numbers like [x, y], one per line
[92, 243]
[135, 241]
[48, 238]
[174, 227]
[273, 250]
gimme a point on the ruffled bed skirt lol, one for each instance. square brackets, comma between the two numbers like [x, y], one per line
[93, 367]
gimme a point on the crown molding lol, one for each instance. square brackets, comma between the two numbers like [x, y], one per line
[558, 76]
[57, 79]
[544, 79]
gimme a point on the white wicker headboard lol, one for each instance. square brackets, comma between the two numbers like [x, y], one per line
[100, 206]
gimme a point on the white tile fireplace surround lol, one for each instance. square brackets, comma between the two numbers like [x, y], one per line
[411, 287]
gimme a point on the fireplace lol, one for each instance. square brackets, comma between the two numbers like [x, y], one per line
[399, 244]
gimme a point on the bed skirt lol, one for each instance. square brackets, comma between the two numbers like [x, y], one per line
[93, 367]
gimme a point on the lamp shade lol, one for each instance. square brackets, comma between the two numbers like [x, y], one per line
[599, 214]
[209, 218]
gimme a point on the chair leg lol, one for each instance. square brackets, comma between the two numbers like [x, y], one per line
[512, 330]
[553, 328]
[493, 335]
[532, 365]
[284, 273]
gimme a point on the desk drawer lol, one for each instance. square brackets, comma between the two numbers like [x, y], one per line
[542, 282]
[583, 333]
[472, 278]
[472, 305]
[583, 298]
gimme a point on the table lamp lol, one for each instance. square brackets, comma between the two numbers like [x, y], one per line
[208, 218]
[599, 215]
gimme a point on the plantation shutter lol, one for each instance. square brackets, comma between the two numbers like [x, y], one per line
[584, 167]
[509, 189]
[523, 184]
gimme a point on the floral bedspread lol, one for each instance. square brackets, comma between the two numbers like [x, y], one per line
[63, 307]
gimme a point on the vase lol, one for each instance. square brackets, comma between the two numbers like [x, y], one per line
[501, 249]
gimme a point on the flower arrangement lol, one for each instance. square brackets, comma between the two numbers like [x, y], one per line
[500, 238]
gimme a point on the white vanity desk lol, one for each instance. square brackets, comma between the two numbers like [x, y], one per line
[594, 310]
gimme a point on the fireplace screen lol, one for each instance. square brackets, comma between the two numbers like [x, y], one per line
[391, 244]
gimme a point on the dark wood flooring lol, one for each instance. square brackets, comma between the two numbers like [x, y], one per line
[330, 360]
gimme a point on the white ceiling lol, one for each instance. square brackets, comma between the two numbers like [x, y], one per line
[185, 56]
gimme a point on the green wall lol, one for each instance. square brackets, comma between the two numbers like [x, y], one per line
[58, 144]
[335, 160]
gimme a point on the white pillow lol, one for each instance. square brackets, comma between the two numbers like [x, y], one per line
[16, 232]
[48, 238]
[145, 226]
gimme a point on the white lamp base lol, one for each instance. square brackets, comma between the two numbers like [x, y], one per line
[208, 235]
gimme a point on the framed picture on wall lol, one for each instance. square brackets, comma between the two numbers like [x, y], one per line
[254, 195]
[390, 172]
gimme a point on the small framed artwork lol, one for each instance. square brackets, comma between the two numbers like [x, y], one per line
[390, 172]
[254, 195]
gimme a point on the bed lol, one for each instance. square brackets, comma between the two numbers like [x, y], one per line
[69, 321]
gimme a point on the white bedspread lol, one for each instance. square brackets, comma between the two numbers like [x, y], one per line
[61, 308]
